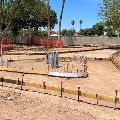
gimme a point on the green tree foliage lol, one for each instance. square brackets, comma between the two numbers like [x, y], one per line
[86, 32]
[66, 32]
[98, 28]
[118, 31]
[70, 32]
[110, 12]
[42, 33]
[21, 13]
[73, 23]
[110, 32]
[80, 23]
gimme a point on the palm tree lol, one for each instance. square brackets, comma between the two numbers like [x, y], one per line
[48, 30]
[80, 24]
[61, 19]
[73, 23]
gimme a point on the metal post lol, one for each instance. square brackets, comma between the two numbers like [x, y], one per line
[21, 83]
[2, 80]
[7, 63]
[18, 81]
[1, 48]
[22, 80]
[44, 86]
[96, 98]
[78, 94]
[48, 68]
[67, 67]
[115, 98]
[61, 89]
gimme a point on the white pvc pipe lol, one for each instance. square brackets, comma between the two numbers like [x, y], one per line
[1, 48]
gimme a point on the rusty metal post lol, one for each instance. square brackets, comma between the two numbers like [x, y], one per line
[115, 98]
[78, 94]
[22, 84]
[2, 80]
[96, 98]
[18, 81]
[44, 86]
[48, 68]
[61, 89]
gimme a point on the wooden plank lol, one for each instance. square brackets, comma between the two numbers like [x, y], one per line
[53, 88]
[74, 92]
[106, 98]
[40, 86]
[24, 71]
[118, 100]
[88, 94]
[10, 81]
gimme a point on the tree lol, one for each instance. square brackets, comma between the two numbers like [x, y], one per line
[110, 12]
[110, 32]
[80, 24]
[98, 28]
[70, 33]
[64, 32]
[61, 19]
[73, 23]
[33, 23]
[26, 11]
[10, 9]
[118, 30]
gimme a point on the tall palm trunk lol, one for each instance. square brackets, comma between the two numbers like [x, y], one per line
[48, 29]
[61, 19]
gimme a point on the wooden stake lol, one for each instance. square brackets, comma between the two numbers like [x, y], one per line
[61, 89]
[115, 98]
[78, 94]
[21, 83]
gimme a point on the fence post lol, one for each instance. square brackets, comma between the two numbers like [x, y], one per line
[21, 83]
[77, 70]
[18, 81]
[61, 89]
[115, 98]
[48, 67]
[78, 93]
[2, 80]
[96, 98]
[44, 86]
[22, 80]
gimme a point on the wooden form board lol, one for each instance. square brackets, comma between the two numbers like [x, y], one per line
[101, 59]
[38, 53]
[74, 92]
[24, 71]
[53, 88]
[69, 91]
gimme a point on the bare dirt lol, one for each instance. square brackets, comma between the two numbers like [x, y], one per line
[103, 78]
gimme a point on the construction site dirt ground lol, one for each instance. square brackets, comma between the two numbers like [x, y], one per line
[33, 104]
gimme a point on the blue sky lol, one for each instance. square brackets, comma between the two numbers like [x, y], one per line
[85, 10]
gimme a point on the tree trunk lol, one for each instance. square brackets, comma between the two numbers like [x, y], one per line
[10, 23]
[61, 19]
[48, 30]
[6, 30]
